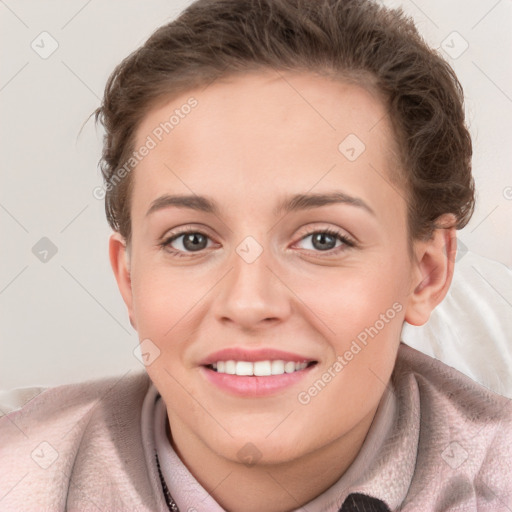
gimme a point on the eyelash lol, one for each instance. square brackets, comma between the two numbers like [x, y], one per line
[347, 242]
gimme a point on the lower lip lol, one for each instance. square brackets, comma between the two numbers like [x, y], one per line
[252, 386]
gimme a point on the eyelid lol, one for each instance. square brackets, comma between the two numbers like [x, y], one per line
[347, 240]
[183, 230]
[327, 229]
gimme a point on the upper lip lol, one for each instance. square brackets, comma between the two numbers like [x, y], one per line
[261, 354]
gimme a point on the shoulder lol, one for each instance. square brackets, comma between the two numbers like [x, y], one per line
[57, 405]
[64, 432]
[439, 384]
[464, 432]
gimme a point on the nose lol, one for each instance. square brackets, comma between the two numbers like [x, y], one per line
[252, 295]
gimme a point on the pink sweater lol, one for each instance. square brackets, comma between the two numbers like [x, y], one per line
[439, 442]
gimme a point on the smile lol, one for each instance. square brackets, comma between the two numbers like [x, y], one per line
[258, 368]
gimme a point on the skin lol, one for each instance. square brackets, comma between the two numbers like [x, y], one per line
[252, 141]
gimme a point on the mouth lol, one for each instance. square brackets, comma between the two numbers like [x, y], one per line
[255, 373]
[266, 368]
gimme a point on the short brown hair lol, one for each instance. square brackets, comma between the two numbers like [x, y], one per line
[356, 39]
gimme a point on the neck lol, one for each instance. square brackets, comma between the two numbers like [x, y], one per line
[276, 487]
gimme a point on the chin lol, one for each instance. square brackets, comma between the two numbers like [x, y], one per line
[261, 445]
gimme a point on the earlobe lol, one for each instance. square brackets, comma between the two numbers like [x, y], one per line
[432, 272]
[120, 263]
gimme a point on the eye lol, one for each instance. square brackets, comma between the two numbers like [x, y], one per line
[325, 240]
[188, 241]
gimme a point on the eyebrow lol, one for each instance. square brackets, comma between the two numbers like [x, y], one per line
[290, 204]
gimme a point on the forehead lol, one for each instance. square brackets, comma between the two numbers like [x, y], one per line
[267, 133]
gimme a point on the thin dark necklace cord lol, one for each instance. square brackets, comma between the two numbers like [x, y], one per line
[171, 504]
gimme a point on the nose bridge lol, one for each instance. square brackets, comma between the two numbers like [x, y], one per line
[251, 293]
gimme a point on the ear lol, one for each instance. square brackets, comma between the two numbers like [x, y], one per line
[120, 263]
[432, 271]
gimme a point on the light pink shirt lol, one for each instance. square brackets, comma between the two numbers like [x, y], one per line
[440, 442]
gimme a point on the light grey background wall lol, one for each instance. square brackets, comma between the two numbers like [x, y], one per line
[61, 316]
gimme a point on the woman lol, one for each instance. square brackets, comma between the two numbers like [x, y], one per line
[284, 179]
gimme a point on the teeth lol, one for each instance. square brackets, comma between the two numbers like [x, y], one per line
[244, 368]
[230, 367]
[262, 368]
[289, 367]
[258, 368]
[277, 367]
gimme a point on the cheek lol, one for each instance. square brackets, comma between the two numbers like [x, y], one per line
[361, 316]
[151, 299]
[163, 298]
[364, 317]
[350, 299]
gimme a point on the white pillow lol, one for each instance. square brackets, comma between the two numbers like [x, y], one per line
[471, 330]
[17, 398]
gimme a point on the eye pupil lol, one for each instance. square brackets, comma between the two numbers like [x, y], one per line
[324, 241]
[194, 241]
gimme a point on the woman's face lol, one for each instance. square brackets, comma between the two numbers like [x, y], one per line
[297, 252]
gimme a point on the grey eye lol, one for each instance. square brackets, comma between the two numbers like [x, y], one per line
[190, 242]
